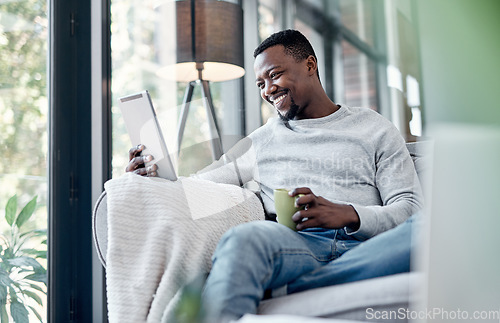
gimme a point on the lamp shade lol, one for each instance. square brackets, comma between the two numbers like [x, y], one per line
[214, 51]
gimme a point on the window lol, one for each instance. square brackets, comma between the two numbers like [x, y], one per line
[359, 78]
[360, 88]
[143, 43]
[344, 35]
[23, 162]
[269, 22]
[348, 36]
[358, 17]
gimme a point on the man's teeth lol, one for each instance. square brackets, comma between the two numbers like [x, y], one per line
[278, 99]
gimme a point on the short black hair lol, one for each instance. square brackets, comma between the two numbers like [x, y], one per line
[294, 42]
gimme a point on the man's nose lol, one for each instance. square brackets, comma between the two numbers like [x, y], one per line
[269, 89]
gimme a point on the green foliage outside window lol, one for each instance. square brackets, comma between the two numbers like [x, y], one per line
[23, 162]
[23, 279]
[23, 100]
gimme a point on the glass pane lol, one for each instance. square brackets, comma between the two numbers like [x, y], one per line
[317, 43]
[269, 18]
[357, 15]
[359, 78]
[319, 4]
[143, 47]
[269, 23]
[23, 162]
[138, 37]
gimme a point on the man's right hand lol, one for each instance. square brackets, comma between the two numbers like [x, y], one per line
[137, 162]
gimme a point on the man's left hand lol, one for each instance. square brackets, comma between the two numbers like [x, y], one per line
[319, 212]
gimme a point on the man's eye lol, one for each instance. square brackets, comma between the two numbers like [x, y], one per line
[260, 85]
[274, 75]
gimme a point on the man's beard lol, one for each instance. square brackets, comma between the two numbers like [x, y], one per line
[291, 113]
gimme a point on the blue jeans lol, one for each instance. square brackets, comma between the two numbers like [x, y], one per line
[261, 255]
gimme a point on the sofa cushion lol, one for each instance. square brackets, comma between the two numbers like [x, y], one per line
[250, 318]
[421, 154]
[352, 301]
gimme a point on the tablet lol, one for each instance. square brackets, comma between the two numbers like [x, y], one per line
[143, 128]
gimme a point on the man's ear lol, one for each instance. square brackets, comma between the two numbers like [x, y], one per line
[312, 65]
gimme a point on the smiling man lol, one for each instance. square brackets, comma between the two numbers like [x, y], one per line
[356, 175]
[353, 169]
[291, 87]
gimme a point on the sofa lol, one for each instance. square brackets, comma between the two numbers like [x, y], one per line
[383, 299]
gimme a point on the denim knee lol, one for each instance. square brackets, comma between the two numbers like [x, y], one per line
[255, 236]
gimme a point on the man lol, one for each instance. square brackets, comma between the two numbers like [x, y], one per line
[353, 168]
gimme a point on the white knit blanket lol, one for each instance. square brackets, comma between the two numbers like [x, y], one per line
[162, 234]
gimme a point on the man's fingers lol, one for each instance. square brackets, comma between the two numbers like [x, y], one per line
[138, 162]
[135, 163]
[311, 218]
[300, 190]
[309, 223]
[305, 219]
[302, 215]
[141, 171]
[135, 151]
[296, 217]
[146, 158]
[150, 171]
[308, 199]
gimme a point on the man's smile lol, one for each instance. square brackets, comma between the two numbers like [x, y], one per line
[285, 105]
[277, 100]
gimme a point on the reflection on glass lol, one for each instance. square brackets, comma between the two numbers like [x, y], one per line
[23, 162]
[269, 18]
[269, 23]
[316, 3]
[143, 40]
[317, 43]
[359, 78]
[357, 16]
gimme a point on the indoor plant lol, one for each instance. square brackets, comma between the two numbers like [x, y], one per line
[22, 278]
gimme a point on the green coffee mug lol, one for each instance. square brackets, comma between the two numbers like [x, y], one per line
[285, 207]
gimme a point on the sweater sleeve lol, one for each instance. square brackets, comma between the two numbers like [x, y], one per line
[237, 166]
[398, 185]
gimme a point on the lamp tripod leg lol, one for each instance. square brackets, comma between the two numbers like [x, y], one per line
[188, 95]
[216, 140]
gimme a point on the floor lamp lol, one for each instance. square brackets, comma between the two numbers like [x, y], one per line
[209, 49]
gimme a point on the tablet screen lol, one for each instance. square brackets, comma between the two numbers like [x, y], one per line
[143, 128]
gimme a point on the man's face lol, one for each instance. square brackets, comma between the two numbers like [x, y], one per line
[283, 82]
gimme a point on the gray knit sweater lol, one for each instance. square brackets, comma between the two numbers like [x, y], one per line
[353, 156]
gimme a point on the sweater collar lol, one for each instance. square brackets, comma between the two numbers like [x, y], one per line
[319, 121]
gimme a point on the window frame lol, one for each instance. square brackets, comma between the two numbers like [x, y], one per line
[80, 134]
[327, 22]
[69, 297]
